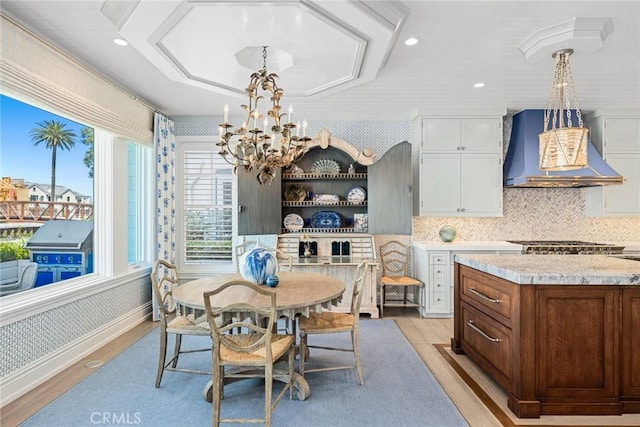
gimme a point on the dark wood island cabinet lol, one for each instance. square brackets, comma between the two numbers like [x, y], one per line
[560, 337]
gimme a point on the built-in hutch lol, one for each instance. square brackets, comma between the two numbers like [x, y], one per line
[336, 246]
[457, 166]
[617, 138]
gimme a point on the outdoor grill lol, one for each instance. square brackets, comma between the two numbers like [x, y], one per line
[62, 249]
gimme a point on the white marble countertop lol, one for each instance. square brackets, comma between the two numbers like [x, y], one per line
[556, 269]
[495, 245]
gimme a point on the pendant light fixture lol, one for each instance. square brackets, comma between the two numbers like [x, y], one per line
[259, 143]
[562, 145]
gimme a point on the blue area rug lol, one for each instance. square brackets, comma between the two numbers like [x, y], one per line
[399, 389]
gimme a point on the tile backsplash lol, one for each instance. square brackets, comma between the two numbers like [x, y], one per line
[535, 214]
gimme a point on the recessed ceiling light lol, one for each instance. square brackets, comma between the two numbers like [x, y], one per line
[479, 84]
[411, 41]
[120, 42]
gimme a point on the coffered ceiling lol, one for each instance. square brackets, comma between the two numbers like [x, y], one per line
[340, 59]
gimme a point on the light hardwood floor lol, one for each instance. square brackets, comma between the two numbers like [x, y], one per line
[421, 333]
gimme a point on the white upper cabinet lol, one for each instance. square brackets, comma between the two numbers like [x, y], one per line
[459, 166]
[618, 140]
[482, 135]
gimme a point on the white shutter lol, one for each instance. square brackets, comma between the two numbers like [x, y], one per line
[207, 185]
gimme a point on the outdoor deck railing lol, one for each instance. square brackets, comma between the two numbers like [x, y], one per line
[17, 211]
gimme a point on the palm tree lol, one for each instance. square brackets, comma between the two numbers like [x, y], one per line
[55, 136]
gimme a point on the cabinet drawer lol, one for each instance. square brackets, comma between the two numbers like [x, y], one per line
[487, 294]
[439, 258]
[439, 302]
[489, 339]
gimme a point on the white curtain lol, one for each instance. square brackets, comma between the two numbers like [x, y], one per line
[165, 195]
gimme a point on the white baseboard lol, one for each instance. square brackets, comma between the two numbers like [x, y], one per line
[29, 377]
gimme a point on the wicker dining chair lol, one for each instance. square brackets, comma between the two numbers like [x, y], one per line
[394, 257]
[256, 347]
[164, 277]
[330, 322]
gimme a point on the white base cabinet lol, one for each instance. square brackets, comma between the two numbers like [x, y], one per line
[435, 269]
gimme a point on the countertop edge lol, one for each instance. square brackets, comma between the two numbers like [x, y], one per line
[555, 270]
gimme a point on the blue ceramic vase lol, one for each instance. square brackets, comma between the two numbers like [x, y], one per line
[257, 264]
[272, 280]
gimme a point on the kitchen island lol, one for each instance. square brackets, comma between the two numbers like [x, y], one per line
[559, 333]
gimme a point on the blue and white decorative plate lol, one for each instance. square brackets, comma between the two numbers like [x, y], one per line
[357, 195]
[326, 219]
[293, 222]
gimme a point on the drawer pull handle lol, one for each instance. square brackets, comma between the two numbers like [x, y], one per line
[483, 296]
[481, 332]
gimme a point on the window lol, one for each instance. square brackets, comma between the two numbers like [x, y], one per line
[205, 192]
[138, 203]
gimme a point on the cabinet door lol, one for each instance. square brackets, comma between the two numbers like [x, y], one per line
[441, 134]
[439, 184]
[389, 192]
[481, 185]
[482, 135]
[631, 343]
[259, 209]
[578, 335]
[622, 135]
[624, 199]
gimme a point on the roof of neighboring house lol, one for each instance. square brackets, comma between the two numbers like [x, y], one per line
[60, 189]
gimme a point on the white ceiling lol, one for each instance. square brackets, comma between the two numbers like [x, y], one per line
[349, 60]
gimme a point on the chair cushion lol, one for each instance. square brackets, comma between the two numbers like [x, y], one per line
[188, 325]
[326, 322]
[400, 281]
[279, 346]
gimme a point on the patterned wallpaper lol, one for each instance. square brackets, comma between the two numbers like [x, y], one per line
[42, 334]
[377, 135]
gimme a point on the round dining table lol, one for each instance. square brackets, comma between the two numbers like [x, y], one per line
[297, 293]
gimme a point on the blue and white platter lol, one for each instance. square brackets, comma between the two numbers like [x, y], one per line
[326, 219]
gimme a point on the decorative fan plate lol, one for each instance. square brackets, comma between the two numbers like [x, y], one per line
[326, 167]
[293, 222]
[357, 195]
[326, 219]
[295, 193]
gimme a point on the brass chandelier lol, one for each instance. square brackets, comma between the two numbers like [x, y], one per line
[265, 148]
[562, 146]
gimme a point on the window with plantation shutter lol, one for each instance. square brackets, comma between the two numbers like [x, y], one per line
[207, 206]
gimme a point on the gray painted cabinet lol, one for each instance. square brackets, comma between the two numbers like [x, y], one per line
[390, 192]
[259, 210]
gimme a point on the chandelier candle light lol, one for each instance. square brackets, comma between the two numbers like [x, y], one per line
[272, 147]
[562, 147]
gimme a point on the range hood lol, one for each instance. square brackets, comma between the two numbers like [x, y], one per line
[521, 163]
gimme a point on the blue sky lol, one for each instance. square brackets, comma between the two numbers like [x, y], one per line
[19, 158]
